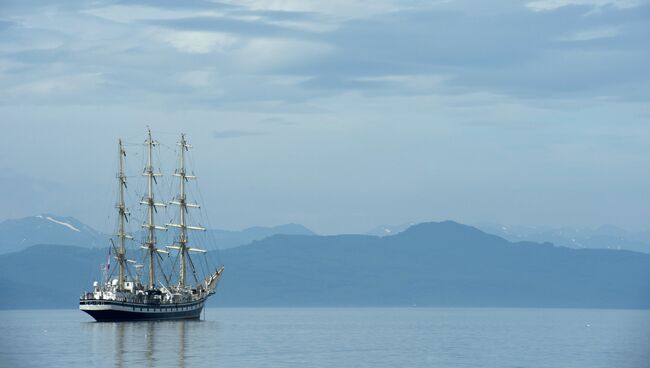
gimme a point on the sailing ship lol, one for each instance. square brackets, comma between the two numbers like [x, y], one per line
[126, 298]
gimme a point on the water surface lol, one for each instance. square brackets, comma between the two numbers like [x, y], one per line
[333, 337]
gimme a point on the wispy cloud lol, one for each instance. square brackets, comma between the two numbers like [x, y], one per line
[593, 34]
[289, 52]
[542, 5]
[226, 134]
[277, 121]
[199, 42]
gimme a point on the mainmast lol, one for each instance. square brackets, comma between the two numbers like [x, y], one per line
[150, 243]
[181, 202]
[122, 213]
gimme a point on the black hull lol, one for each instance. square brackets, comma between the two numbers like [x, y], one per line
[114, 311]
[122, 316]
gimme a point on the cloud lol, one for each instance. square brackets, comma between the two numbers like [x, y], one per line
[546, 5]
[269, 54]
[338, 8]
[199, 42]
[493, 52]
[226, 134]
[288, 52]
[277, 121]
[256, 26]
[56, 87]
[198, 78]
[133, 13]
[593, 34]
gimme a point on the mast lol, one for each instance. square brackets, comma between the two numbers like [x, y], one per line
[122, 213]
[150, 243]
[181, 202]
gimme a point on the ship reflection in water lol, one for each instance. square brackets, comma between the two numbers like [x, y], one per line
[150, 344]
[333, 337]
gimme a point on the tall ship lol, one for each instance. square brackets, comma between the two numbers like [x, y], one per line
[171, 289]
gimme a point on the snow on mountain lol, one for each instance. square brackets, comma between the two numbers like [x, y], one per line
[17, 234]
[61, 223]
[386, 230]
[604, 237]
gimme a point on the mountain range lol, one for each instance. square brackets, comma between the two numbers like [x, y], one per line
[19, 234]
[225, 239]
[429, 264]
[602, 237]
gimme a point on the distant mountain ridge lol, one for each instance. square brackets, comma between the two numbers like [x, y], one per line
[19, 234]
[429, 264]
[387, 230]
[229, 239]
[433, 264]
[602, 237]
[605, 236]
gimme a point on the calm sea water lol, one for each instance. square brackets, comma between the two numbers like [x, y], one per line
[333, 337]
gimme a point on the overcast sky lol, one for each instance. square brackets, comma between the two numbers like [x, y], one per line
[339, 115]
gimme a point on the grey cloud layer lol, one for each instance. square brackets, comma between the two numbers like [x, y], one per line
[512, 50]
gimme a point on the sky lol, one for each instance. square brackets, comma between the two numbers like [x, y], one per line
[338, 115]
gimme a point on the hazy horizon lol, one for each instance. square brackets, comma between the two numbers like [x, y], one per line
[108, 227]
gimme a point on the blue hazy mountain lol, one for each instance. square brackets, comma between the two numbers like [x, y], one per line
[605, 236]
[602, 237]
[48, 276]
[441, 264]
[388, 230]
[430, 264]
[18, 234]
[225, 239]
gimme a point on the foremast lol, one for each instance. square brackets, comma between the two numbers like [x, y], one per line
[183, 205]
[149, 201]
[122, 214]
